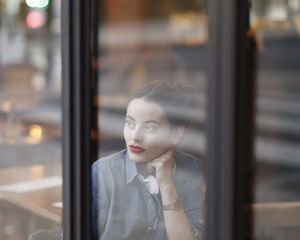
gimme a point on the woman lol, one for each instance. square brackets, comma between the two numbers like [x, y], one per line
[149, 190]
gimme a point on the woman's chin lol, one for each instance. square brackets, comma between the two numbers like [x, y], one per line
[138, 158]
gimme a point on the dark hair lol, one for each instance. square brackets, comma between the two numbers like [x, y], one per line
[178, 101]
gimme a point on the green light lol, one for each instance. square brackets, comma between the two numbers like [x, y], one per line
[37, 3]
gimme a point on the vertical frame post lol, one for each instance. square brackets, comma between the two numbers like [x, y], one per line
[77, 116]
[230, 114]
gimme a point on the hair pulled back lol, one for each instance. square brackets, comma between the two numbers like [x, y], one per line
[177, 100]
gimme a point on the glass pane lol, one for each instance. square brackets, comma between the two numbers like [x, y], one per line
[276, 196]
[30, 119]
[151, 102]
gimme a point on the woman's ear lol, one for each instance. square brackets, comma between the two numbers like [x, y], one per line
[177, 134]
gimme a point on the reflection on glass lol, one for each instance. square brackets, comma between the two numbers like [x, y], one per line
[150, 172]
[30, 147]
[276, 193]
[142, 43]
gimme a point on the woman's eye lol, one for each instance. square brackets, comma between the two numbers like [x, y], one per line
[130, 124]
[150, 128]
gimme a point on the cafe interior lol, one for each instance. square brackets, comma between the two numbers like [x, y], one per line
[140, 41]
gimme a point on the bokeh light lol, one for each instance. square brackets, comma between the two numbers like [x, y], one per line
[35, 19]
[37, 3]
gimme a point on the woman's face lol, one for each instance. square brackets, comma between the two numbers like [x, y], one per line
[147, 131]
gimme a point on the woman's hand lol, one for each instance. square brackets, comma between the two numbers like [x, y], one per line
[176, 222]
[163, 165]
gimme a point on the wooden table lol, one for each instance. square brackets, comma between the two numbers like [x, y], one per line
[35, 189]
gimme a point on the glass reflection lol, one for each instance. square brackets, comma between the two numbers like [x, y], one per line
[276, 194]
[30, 128]
[142, 43]
[153, 178]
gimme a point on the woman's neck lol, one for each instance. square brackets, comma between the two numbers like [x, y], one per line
[143, 170]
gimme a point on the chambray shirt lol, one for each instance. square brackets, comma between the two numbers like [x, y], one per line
[123, 208]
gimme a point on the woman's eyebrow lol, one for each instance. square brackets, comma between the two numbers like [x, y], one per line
[152, 121]
[130, 118]
[146, 122]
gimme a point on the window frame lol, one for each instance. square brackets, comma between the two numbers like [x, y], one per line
[229, 122]
[77, 116]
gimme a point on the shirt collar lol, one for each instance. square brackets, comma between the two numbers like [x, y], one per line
[131, 171]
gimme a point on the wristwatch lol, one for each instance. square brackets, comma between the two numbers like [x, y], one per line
[173, 206]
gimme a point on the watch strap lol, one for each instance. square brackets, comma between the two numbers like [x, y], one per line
[173, 206]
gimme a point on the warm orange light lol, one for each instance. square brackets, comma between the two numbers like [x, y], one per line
[35, 134]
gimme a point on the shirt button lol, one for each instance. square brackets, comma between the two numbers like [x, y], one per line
[149, 228]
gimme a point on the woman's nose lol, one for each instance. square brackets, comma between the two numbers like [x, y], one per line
[137, 134]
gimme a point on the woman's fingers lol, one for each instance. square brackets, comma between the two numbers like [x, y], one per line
[157, 165]
[164, 157]
[164, 160]
[163, 165]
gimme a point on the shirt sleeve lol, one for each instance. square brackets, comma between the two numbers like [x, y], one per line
[194, 202]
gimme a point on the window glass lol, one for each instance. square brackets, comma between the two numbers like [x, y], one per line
[276, 195]
[30, 119]
[159, 47]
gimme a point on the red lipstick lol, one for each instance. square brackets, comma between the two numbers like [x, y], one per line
[136, 149]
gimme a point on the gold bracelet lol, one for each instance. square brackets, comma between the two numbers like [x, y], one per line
[174, 206]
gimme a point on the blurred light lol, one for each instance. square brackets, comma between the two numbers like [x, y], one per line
[278, 12]
[37, 3]
[36, 131]
[35, 19]
[297, 24]
[35, 134]
[188, 28]
[7, 106]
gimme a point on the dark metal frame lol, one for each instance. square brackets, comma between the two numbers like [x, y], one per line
[77, 118]
[229, 122]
